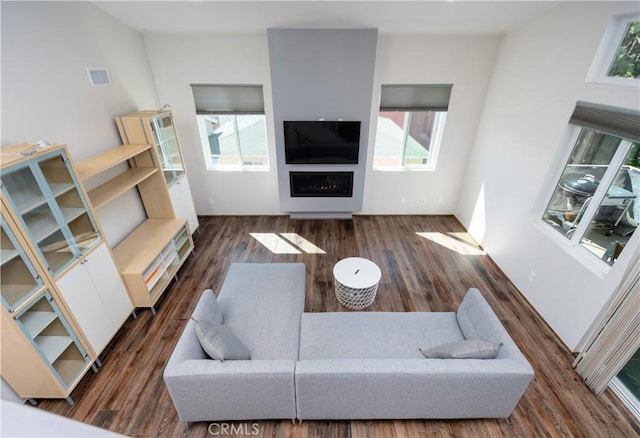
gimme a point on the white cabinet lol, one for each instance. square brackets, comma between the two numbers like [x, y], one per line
[180, 194]
[94, 292]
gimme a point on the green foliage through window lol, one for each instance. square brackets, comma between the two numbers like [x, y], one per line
[634, 156]
[626, 63]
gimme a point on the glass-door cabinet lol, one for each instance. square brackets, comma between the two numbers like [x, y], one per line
[155, 128]
[166, 143]
[42, 356]
[46, 200]
[19, 279]
[50, 335]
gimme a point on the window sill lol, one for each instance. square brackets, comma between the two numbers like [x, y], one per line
[582, 255]
[620, 82]
[404, 169]
[237, 169]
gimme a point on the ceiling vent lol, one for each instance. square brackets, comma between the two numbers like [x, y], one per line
[99, 76]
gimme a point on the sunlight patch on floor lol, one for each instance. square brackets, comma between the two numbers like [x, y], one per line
[275, 243]
[286, 243]
[302, 243]
[462, 243]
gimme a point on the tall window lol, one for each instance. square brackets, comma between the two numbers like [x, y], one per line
[232, 126]
[410, 126]
[595, 203]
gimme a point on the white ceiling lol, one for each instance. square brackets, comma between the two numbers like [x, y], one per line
[242, 17]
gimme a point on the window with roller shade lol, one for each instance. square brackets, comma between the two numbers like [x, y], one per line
[595, 202]
[410, 125]
[232, 126]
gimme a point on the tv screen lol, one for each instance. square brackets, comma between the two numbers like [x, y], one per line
[321, 142]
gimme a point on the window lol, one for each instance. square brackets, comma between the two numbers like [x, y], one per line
[232, 126]
[626, 59]
[618, 59]
[410, 126]
[595, 203]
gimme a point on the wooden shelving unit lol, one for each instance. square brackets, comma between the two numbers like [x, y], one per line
[150, 257]
[110, 190]
[158, 129]
[147, 254]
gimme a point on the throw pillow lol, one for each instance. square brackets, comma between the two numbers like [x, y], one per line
[467, 349]
[213, 312]
[219, 342]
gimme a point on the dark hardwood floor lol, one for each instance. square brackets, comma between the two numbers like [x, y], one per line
[419, 273]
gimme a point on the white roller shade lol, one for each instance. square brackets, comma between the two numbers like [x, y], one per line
[228, 99]
[434, 97]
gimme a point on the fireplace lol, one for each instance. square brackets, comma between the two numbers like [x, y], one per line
[321, 184]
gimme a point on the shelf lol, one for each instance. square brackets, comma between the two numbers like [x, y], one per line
[31, 198]
[95, 165]
[156, 292]
[53, 346]
[111, 189]
[148, 259]
[69, 369]
[28, 199]
[7, 255]
[139, 250]
[42, 225]
[71, 213]
[36, 321]
[60, 188]
[15, 293]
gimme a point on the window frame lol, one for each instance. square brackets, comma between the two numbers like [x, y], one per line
[607, 51]
[204, 140]
[229, 100]
[410, 99]
[434, 146]
[572, 244]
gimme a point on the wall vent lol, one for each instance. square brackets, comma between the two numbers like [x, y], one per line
[99, 76]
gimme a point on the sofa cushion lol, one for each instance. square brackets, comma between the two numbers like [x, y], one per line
[262, 303]
[374, 335]
[212, 312]
[219, 342]
[467, 349]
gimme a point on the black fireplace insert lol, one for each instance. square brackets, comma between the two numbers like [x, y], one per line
[321, 184]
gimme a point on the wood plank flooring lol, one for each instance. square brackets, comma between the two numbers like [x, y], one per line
[419, 273]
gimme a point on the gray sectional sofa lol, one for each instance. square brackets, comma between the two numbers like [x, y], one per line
[342, 365]
[262, 304]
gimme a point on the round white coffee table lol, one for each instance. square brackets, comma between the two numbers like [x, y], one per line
[356, 281]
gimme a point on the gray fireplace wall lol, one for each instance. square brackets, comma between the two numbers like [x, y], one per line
[322, 74]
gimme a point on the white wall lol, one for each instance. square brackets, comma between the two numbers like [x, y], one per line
[46, 93]
[465, 62]
[519, 149]
[178, 61]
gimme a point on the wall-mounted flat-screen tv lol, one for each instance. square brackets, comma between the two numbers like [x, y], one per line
[321, 142]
